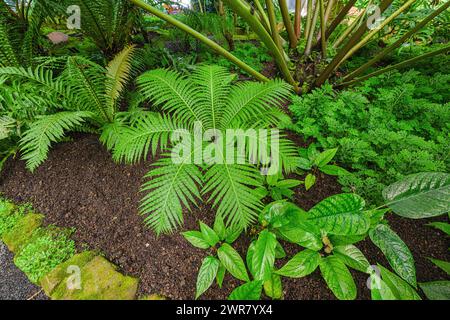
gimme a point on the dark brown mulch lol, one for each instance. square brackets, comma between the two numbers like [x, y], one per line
[80, 186]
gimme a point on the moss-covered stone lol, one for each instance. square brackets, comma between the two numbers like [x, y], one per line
[6, 208]
[99, 281]
[22, 232]
[60, 273]
[153, 297]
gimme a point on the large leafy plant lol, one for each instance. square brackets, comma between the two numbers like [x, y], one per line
[205, 102]
[328, 233]
[39, 107]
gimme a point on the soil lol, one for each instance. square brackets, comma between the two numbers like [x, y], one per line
[80, 186]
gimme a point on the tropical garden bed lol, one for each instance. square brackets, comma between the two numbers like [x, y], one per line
[344, 193]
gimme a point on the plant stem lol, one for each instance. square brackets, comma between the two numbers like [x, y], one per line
[201, 38]
[309, 17]
[397, 43]
[312, 29]
[400, 65]
[342, 14]
[273, 23]
[322, 30]
[287, 23]
[298, 18]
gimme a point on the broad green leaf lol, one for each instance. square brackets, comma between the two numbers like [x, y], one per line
[249, 291]
[396, 252]
[379, 290]
[444, 227]
[302, 264]
[249, 257]
[288, 183]
[345, 240]
[421, 195]
[279, 251]
[338, 278]
[444, 265]
[220, 275]
[325, 157]
[333, 170]
[276, 213]
[233, 262]
[376, 215]
[436, 290]
[209, 234]
[302, 233]
[196, 239]
[233, 233]
[310, 180]
[273, 287]
[304, 164]
[341, 215]
[352, 257]
[264, 255]
[219, 228]
[206, 275]
[399, 288]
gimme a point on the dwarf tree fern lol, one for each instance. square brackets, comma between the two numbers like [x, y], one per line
[83, 93]
[205, 101]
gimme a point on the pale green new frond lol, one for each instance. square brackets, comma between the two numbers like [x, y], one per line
[37, 139]
[251, 99]
[87, 80]
[232, 192]
[118, 72]
[6, 126]
[148, 133]
[213, 84]
[168, 188]
[172, 92]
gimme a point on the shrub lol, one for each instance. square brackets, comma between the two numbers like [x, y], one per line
[388, 127]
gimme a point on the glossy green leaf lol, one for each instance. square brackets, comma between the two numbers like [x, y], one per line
[310, 180]
[219, 228]
[304, 164]
[444, 265]
[325, 157]
[300, 265]
[399, 288]
[333, 170]
[233, 262]
[279, 251]
[209, 234]
[273, 287]
[379, 290]
[396, 251]
[444, 227]
[249, 291]
[206, 275]
[288, 183]
[352, 257]
[436, 290]
[264, 255]
[233, 233]
[338, 278]
[345, 240]
[421, 195]
[249, 257]
[196, 239]
[220, 275]
[341, 215]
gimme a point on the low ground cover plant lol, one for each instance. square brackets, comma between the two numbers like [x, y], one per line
[328, 234]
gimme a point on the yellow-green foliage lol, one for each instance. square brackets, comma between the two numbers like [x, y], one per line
[99, 281]
[22, 232]
[9, 216]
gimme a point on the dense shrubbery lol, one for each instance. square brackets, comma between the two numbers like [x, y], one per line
[388, 127]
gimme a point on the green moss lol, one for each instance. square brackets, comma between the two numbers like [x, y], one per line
[43, 253]
[6, 208]
[50, 281]
[22, 232]
[9, 216]
[152, 297]
[99, 281]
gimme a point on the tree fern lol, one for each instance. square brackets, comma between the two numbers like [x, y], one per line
[47, 129]
[209, 97]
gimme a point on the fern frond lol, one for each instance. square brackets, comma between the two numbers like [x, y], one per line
[118, 72]
[7, 55]
[172, 92]
[168, 188]
[213, 85]
[87, 81]
[148, 133]
[6, 126]
[232, 192]
[250, 99]
[36, 141]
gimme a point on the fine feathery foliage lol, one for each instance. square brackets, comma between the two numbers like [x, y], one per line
[203, 102]
[83, 95]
